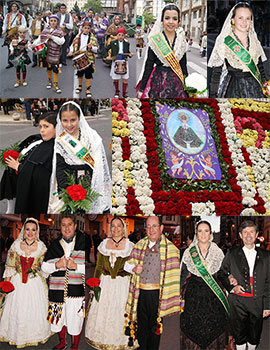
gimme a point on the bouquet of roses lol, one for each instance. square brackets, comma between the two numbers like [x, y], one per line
[10, 151]
[93, 284]
[195, 85]
[5, 288]
[77, 197]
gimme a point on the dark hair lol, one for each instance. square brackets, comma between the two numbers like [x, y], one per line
[86, 23]
[203, 222]
[63, 5]
[49, 117]
[14, 3]
[247, 223]
[170, 7]
[241, 5]
[69, 107]
[30, 222]
[117, 218]
[68, 216]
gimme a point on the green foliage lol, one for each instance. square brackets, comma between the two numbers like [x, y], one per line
[95, 5]
[14, 147]
[76, 8]
[148, 18]
[57, 5]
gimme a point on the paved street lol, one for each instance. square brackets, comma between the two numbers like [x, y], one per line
[10, 134]
[102, 85]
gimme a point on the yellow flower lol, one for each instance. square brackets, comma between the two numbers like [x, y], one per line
[125, 132]
[248, 137]
[113, 202]
[250, 105]
[114, 115]
[116, 132]
[128, 164]
[122, 124]
[130, 182]
[266, 142]
[250, 175]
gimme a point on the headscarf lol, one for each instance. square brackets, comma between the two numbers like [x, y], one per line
[101, 179]
[180, 47]
[21, 235]
[123, 223]
[220, 51]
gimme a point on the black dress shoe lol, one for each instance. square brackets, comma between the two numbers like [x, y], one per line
[10, 65]
[64, 64]
[34, 64]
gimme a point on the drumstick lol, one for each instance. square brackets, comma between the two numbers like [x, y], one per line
[113, 57]
[74, 53]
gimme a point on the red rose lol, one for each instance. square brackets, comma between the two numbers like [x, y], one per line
[11, 153]
[93, 282]
[76, 192]
[6, 287]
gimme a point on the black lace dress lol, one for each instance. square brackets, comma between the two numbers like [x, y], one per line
[203, 324]
[164, 82]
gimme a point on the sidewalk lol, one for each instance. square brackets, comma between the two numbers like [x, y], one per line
[8, 119]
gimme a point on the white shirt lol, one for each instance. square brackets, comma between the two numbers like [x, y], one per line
[129, 267]
[121, 47]
[51, 268]
[14, 21]
[251, 257]
[68, 25]
[83, 45]
[56, 39]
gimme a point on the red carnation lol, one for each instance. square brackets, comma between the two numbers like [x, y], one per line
[76, 192]
[10, 153]
[6, 287]
[93, 282]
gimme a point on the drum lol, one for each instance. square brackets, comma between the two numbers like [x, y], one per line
[39, 48]
[120, 67]
[81, 61]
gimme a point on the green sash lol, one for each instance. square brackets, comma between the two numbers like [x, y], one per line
[207, 277]
[167, 54]
[77, 148]
[244, 56]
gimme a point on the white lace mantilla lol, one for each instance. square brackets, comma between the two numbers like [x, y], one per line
[212, 262]
[115, 253]
[221, 51]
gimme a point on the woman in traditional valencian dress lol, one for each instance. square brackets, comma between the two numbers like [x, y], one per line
[105, 319]
[237, 54]
[79, 152]
[163, 77]
[24, 317]
[203, 322]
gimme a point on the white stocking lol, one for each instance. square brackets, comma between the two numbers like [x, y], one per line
[241, 347]
[251, 347]
[10, 206]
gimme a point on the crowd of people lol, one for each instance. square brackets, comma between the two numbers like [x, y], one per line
[51, 37]
[141, 283]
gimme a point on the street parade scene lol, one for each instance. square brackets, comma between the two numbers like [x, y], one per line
[135, 174]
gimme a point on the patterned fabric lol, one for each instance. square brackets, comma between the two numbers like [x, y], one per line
[18, 20]
[169, 277]
[92, 40]
[53, 52]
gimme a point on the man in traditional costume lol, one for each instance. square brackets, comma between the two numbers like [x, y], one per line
[37, 26]
[54, 38]
[155, 286]
[66, 24]
[65, 262]
[245, 273]
[85, 42]
[12, 20]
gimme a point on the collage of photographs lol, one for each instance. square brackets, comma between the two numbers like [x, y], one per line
[135, 174]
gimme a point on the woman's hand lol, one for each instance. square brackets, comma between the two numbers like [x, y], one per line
[12, 163]
[266, 313]
[233, 281]
[139, 94]
[238, 289]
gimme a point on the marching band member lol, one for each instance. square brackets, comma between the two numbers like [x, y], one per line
[119, 54]
[85, 42]
[66, 24]
[55, 39]
[35, 30]
[13, 19]
[19, 47]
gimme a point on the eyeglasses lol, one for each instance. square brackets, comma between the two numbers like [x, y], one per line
[154, 227]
